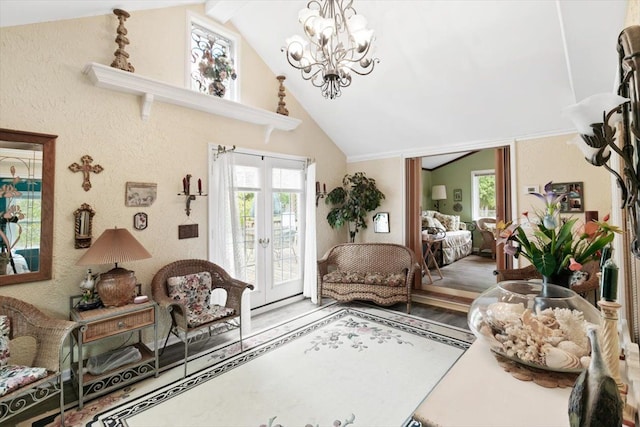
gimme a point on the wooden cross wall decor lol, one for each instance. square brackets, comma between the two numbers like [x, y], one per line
[86, 168]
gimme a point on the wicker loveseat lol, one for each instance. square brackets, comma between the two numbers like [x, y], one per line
[378, 272]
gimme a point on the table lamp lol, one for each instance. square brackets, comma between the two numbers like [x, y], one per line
[117, 286]
[438, 192]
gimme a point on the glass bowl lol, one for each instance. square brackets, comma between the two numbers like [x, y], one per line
[540, 326]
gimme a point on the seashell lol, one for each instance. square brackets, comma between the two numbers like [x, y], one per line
[559, 359]
[490, 339]
[549, 321]
[499, 314]
[573, 348]
[537, 327]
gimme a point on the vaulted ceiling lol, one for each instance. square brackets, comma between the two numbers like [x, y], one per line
[453, 75]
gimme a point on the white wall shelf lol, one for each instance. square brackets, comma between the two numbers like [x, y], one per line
[151, 90]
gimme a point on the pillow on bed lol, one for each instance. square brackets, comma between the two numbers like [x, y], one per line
[428, 222]
[450, 222]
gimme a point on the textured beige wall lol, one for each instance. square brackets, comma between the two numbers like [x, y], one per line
[553, 159]
[42, 89]
[389, 176]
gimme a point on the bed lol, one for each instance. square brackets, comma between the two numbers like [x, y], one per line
[457, 241]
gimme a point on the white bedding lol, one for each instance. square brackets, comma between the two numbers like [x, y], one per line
[456, 245]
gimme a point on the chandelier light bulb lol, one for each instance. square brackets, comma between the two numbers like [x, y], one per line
[338, 44]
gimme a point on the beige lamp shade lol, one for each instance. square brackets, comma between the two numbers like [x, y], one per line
[117, 286]
[438, 192]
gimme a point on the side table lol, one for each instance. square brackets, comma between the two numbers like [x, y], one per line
[101, 323]
[432, 244]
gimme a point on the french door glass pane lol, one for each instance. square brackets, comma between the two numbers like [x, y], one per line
[246, 210]
[287, 185]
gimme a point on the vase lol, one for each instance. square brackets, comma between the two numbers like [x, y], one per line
[561, 278]
[217, 88]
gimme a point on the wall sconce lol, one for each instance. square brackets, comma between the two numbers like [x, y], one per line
[438, 192]
[186, 191]
[320, 194]
[596, 117]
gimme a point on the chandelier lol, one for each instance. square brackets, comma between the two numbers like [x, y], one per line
[338, 45]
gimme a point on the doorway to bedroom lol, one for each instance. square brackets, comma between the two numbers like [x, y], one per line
[466, 193]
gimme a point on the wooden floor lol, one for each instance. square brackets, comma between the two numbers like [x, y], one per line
[461, 283]
[473, 273]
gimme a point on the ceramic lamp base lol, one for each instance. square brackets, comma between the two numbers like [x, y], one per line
[117, 287]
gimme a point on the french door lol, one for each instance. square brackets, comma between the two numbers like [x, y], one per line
[269, 193]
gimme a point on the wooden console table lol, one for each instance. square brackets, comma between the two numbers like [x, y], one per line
[478, 392]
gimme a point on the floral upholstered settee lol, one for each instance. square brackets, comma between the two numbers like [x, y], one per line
[378, 272]
[457, 242]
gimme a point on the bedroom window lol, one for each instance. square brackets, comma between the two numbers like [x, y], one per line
[212, 62]
[483, 189]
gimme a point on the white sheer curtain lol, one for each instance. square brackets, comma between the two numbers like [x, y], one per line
[310, 289]
[224, 227]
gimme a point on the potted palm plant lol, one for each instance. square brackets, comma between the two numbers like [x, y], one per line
[351, 202]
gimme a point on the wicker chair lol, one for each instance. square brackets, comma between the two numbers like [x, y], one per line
[362, 269]
[181, 317]
[488, 236]
[49, 334]
[590, 286]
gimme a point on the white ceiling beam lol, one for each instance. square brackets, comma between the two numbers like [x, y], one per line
[222, 10]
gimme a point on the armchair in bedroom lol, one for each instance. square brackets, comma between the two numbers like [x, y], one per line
[487, 228]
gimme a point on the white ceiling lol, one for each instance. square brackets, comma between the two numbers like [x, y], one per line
[453, 75]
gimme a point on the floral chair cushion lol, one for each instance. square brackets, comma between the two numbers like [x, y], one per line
[215, 312]
[192, 290]
[12, 377]
[578, 278]
[338, 276]
[5, 328]
[387, 279]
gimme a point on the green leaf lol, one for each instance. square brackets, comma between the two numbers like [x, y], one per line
[545, 263]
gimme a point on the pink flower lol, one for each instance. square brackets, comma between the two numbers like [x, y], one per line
[574, 265]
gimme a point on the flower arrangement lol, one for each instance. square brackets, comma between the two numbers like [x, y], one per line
[551, 243]
[216, 66]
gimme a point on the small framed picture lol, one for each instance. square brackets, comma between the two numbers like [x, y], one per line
[457, 195]
[140, 221]
[531, 189]
[140, 194]
[574, 196]
[381, 222]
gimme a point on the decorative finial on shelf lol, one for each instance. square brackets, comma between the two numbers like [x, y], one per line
[282, 109]
[121, 60]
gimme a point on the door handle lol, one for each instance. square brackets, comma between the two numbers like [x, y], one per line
[264, 242]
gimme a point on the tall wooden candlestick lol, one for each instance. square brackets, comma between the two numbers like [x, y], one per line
[610, 341]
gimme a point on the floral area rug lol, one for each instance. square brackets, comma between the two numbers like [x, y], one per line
[340, 365]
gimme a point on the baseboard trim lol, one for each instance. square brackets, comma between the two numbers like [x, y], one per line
[276, 304]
